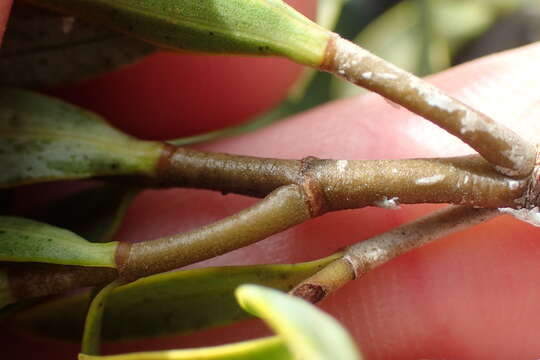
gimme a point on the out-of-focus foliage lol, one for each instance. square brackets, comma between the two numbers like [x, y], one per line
[425, 36]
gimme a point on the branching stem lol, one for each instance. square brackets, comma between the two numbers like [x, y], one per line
[362, 257]
[508, 152]
[345, 184]
[282, 209]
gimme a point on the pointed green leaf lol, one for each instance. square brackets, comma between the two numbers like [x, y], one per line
[43, 49]
[165, 304]
[44, 139]
[23, 240]
[271, 348]
[253, 27]
[308, 332]
[91, 342]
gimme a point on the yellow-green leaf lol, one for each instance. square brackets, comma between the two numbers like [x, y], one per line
[272, 348]
[304, 332]
[91, 342]
[23, 240]
[308, 332]
[44, 139]
[253, 27]
[165, 304]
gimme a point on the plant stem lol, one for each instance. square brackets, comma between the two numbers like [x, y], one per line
[298, 190]
[345, 184]
[507, 151]
[32, 280]
[364, 256]
[282, 209]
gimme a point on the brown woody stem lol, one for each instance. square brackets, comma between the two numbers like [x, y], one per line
[298, 191]
[346, 184]
[362, 257]
[507, 151]
[32, 280]
[282, 209]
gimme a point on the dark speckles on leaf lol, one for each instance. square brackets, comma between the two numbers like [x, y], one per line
[42, 148]
[39, 52]
[264, 49]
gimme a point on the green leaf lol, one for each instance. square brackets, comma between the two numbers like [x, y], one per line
[23, 240]
[43, 49]
[253, 27]
[44, 139]
[308, 332]
[91, 342]
[271, 348]
[165, 304]
[304, 332]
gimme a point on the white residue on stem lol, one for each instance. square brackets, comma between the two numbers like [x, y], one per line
[388, 203]
[430, 180]
[342, 165]
[531, 216]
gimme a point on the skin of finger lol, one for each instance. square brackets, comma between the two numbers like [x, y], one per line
[5, 7]
[186, 94]
[470, 296]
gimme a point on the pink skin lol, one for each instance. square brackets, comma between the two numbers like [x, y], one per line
[474, 295]
[5, 7]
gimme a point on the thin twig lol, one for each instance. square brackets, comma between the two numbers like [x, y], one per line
[362, 257]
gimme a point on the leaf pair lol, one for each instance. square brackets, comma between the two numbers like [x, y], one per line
[304, 332]
[165, 304]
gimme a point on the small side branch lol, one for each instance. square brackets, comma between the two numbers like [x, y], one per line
[285, 207]
[507, 151]
[364, 256]
[282, 209]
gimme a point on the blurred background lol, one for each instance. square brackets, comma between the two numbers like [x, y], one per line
[424, 36]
